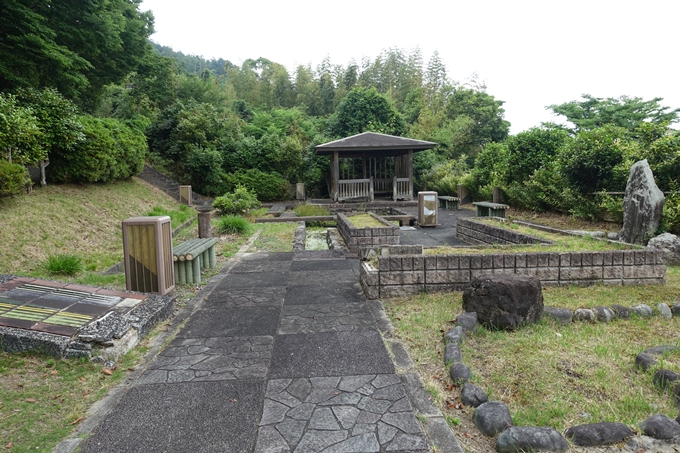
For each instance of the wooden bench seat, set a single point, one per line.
(489, 209)
(449, 203)
(191, 256)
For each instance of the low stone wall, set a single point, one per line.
(357, 238)
(484, 234)
(412, 274)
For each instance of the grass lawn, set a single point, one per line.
(275, 237)
(549, 374)
(365, 220)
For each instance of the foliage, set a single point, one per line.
(63, 264)
(490, 169)
(13, 178)
(612, 205)
(177, 216)
(310, 210)
(237, 202)
(533, 149)
(366, 110)
(204, 167)
(627, 112)
(445, 177)
(266, 186)
(109, 152)
(20, 135)
(670, 221)
(233, 224)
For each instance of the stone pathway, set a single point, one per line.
(283, 356)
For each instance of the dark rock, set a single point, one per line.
(668, 243)
(665, 378)
(455, 335)
(642, 205)
(504, 301)
(76, 353)
(561, 315)
(460, 373)
(492, 418)
(604, 314)
(530, 438)
(468, 321)
(584, 315)
(658, 350)
(643, 311)
(452, 354)
(675, 309)
(660, 427)
(645, 361)
(595, 434)
(471, 395)
(621, 311)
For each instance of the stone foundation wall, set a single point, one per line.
(412, 274)
(484, 234)
(357, 238)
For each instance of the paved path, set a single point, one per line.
(283, 355)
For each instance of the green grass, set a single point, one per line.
(365, 220)
(233, 224)
(275, 237)
(310, 210)
(177, 216)
(63, 264)
(549, 374)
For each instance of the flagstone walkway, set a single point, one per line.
(283, 355)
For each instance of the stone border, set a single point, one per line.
(658, 430)
(481, 233)
(356, 238)
(403, 275)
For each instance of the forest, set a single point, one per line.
(81, 85)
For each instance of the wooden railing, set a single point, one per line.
(401, 188)
(355, 188)
(382, 185)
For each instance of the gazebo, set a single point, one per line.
(373, 164)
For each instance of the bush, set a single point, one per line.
(177, 217)
(13, 178)
(266, 186)
(233, 224)
(444, 178)
(671, 210)
(237, 202)
(63, 264)
(109, 152)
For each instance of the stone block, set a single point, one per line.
(453, 261)
(607, 258)
(617, 257)
(639, 257)
(508, 261)
(547, 273)
(370, 276)
(644, 272)
(371, 292)
(430, 262)
(554, 260)
(575, 258)
(487, 261)
(597, 258)
(565, 260)
(542, 259)
(580, 273)
(464, 261)
(364, 241)
(474, 273)
(384, 263)
(402, 278)
(628, 257)
(401, 290)
(442, 262)
(418, 263)
(532, 260)
(520, 260)
(395, 263)
(407, 263)
(475, 261)
(498, 261)
(609, 272)
(586, 259)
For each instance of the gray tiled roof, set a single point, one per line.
(372, 141)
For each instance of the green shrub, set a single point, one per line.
(233, 224)
(177, 217)
(13, 178)
(266, 186)
(237, 202)
(671, 210)
(612, 205)
(63, 264)
(445, 177)
(309, 210)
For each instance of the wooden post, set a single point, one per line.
(370, 189)
(335, 175)
(363, 163)
(204, 228)
(409, 169)
(496, 195)
(394, 188)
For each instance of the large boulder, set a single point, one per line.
(668, 243)
(642, 205)
(504, 301)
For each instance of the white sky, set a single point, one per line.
(530, 53)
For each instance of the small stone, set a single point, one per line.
(645, 361)
(584, 315)
(455, 335)
(660, 427)
(595, 434)
(560, 315)
(452, 354)
(659, 350)
(665, 378)
(98, 359)
(530, 438)
(460, 373)
(664, 310)
(468, 321)
(604, 314)
(642, 310)
(621, 311)
(492, 418)
(471, 395)
(675, 309)
(613, 236)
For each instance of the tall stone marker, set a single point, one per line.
(642, 205)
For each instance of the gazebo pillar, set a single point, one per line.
(335, 175)
(409, 166)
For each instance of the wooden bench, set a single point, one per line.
(191, 256)
(402, 219)
(488, 209)
(449, 203)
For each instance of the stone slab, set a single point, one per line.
(320, 265)
(246, 280)
(260, 266)
(271, 296)
(197, 417)
(334, 293)
(237, 322)
(322, 278)
(269, 256)
(330, 354)
(325, 318)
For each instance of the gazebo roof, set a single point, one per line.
(372, 141)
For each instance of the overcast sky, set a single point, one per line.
(530, 53)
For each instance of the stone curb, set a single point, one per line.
(99, 409)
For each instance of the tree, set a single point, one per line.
(20, 135)
(533, 149)
(626, 112)
(366, 110)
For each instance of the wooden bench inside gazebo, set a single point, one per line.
(370, 164)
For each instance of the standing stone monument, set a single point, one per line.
(642, 205)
